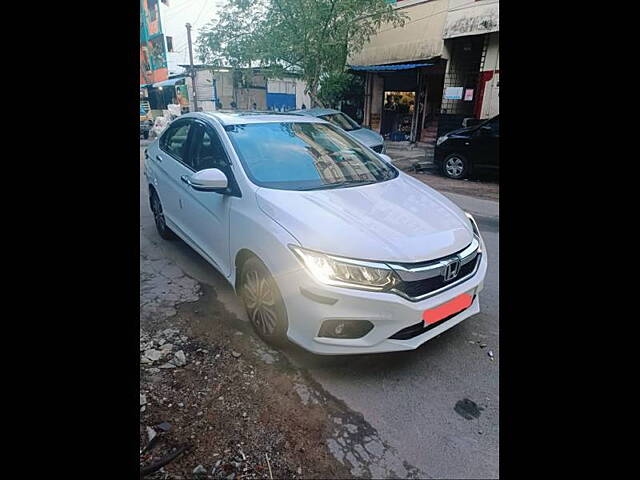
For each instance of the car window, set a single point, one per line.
(305, 156)
(341, 120)
(208, 152)
(174, 140)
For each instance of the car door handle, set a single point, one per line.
(185, 179)
(159, 158)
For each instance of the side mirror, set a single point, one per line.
(207, 180)
(384, 157)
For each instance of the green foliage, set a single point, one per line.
(336, 86)
(310, 37)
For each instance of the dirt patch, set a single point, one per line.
(234, 403)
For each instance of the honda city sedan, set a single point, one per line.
(325, 241)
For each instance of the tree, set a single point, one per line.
(336, 86)
(311, 37)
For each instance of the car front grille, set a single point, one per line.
(419, 281)
(422, 287)
(377, 148)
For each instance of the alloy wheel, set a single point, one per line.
(158, 216)
(260, 302)
(454, 167)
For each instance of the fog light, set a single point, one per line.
(345, 328)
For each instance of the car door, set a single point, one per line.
(207, 213)
(169, 160)
(485, 144)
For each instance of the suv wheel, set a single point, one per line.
(263, 301)
(455, 166)
(158, 217)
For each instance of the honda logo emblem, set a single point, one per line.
(451, 269)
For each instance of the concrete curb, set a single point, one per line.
(475, 206)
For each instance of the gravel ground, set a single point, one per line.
(209, 386)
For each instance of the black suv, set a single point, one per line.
(461, 151)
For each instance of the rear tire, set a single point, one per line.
(456, 166)
(263, 301)
(158, 216)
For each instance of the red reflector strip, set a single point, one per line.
(442, 311)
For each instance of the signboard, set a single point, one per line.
(453, 93)
(468, 94)
(182, 95)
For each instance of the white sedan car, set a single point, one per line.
(326, 242)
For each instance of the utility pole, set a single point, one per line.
(193, 72)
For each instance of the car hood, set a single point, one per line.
(400, 220)
(462, 132)
(366, 136)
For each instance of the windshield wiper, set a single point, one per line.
(338, 185)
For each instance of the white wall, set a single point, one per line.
(491, 98)
(471, 18)
(419, 39)
(492, 60)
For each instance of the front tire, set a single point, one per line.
(456, 166)
(263, 301)
(158, 217)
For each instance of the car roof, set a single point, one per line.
(235, 117)
(316, 112)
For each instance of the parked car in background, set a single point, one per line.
(327, 243)
(370, 138)
(462, 151)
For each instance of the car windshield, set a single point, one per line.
(342, 121)
(305, 156)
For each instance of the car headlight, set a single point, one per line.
(474, 225)
(443, 138)
(345, 272)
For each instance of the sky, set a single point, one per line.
(179, 12)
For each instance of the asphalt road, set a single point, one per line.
(436, 406)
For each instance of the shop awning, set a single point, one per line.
(384, 68)
(168, 83)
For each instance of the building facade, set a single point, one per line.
(247, 89)
(471, 45)
(153, 56)
(441, 65)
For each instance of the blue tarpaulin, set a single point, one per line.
(383, 68)
(168, 83)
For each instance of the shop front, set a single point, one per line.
(401, 100)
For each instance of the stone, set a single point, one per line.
(164, 426)
(179, 358)
(143, 399)
(199, 470)
(168, 365)
(235, 354)
(153, 355)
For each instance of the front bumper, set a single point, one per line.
(388, 312)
